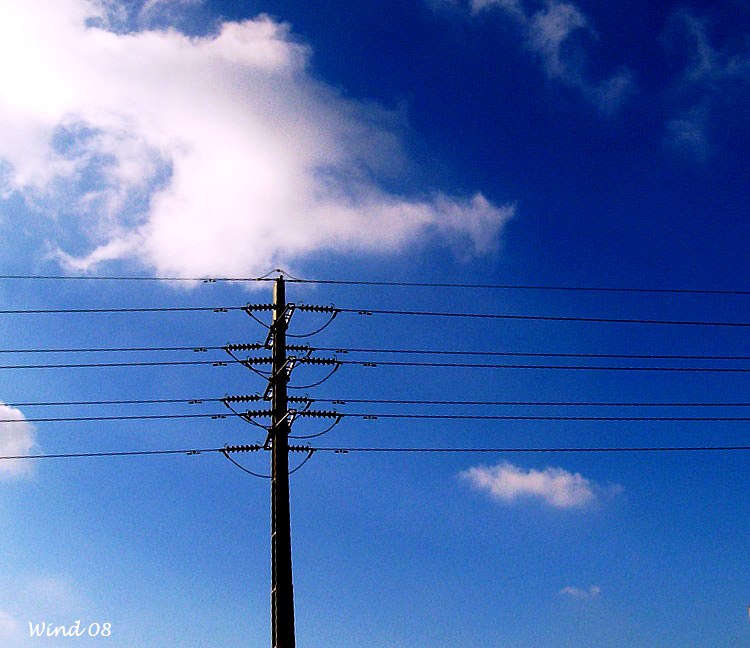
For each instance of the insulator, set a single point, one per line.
(258, 307)
(242, 448)
(296, 448)
(311, 308)
(319, 361)
(241, 399)
(253, 361)
(320, 414)
(254, 413)
(254, 346)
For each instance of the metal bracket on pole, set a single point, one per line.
(286, 317)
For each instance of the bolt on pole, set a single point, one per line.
(282, 591)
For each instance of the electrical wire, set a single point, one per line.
(125, 453)
(316, 331)
(545, 417)
(541, 318)
(145, 363)
(317, 434)
(197, 348)
(247, 470)
(320, 382)
(437, 352)
(531, 354)
(635, 449)
(469, 365)
(130, 278)
(392, 401)
(399, 450)
(134, 401)
(135, 417)
(141, 309)
(405, 284)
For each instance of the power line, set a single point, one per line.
(544, 417)
(403, 284)
(196, 348)
(390, 415)
(134, 401)
(145, 363)
(390, 401)
(540, 318)
(134, 417)
(469, 365)
(531, 354)
(416, 450)
(8, 277)
(139, 309)
(437, 352)
(340, 450)
(125, 453)
(538, 287)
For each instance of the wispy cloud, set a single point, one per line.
(714, 73)
(15, 439)
(556, 34)
(581, 594)
(219, 154)
(10, 628)
(554, 487)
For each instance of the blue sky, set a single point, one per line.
(493, 141)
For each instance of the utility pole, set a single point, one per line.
(277, 441)
(282, 591)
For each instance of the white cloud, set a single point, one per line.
(555, 487)
(217, 155)
(15, 439)
(554, 34)
(713, 74)
(9, 626)
(581, 594)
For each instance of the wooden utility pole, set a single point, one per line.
(282, 591)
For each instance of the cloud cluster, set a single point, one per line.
(553, 33)
(218, 154)
(581, 594)
(15, 439)
(712, 73)
(554, 487)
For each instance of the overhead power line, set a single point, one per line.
(414, 450)
(134, 417)
(397, 284)
(137, 309)
(197, 348)
(388, 401)
(530, 354)
(374, 350)
(511, 450)
(475, 403)
(386, 363)
(388, 415)
(483, 365)
(540, 318)
(125, 453)
(144, 363)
